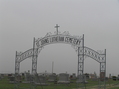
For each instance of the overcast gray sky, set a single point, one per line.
(21, 20)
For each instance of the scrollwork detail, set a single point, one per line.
(19, 53)
(66, 33)
(48, 34)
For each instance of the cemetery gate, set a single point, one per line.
(78, 44)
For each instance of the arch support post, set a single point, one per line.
(80, 74)
(17, 67)
(17, 64)
(102, 80)
(34, 65)
(34, 59)
(80, 61)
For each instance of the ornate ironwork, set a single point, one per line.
(58, 39)
(48, 34)
(34, 65)
(80, 62)
(75, 47)
(34, 58)
(22, 56)
(93, 54)
(66, 33)
(26, 54)
(101, 58)
(17, 64)
(75, 41)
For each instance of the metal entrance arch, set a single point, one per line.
(65, 37)
(39, 43)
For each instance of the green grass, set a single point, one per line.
(4, 84)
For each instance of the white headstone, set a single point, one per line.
(27, 77)
(63, 78)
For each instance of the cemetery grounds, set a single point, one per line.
(110, 84)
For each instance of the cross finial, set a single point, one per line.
(57, 28)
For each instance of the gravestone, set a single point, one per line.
(118, 77)
(18, 78)
(114, 78)
(23, 76)
(11, 79)
(9, 75)
(106, 78)
(52, 78)
(87, 75)
(110, 76)
(0, 77)
(81, 79)
(40, 80)
(63, 78)
(27, 78)
(102, 76)
(95, 77)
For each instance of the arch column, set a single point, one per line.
(102, 81)
(80, 61)
(34, 58)
(81, 57)
(17, 64)
(80, 74)
(34, 64)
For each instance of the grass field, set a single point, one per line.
(4, 84)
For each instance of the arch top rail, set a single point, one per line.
(58, 38)
(93, 54)
(29, 53)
